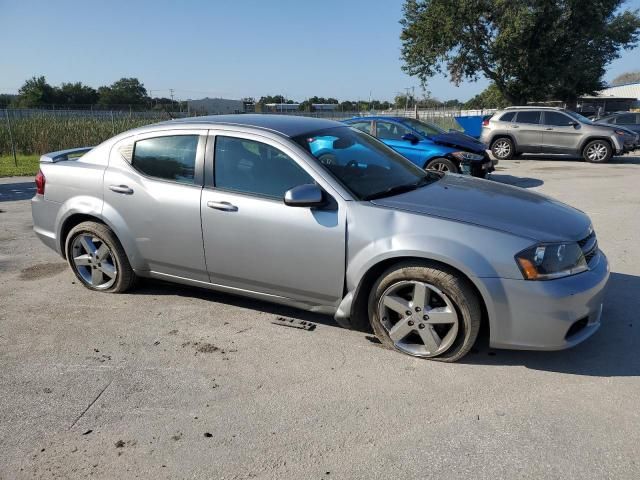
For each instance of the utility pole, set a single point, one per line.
(171, 92)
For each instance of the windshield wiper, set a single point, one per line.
(396, 189)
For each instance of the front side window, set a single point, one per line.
(363, 165)
(426, 129)
(528, 117)
(390, 131)
(557, 119)
(255, 168)
(167, 158)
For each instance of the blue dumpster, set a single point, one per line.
(472, 125)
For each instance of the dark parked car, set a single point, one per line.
(427, 145)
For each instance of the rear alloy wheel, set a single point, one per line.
(424, 311)
(597, 151)
(97, 258)
(502, 148)
(442, 165)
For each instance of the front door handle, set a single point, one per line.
(549, 128)
(224, 206)
(121, 189)
(515, 126)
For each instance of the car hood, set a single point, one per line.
(459, 140)
(494, 205)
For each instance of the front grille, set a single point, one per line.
(589, 246)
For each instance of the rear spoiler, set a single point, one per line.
(63, 155)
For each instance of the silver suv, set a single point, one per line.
(550, 130)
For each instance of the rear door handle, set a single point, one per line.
(224, 206)
(549, 128)
(515, 126)
(121, 189)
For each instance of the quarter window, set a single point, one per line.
(168, 158)
(507, 117)
(557, 119)
(528, 117)
(255, 168)
(390, 131)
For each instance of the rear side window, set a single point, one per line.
(364, 126)
(528, 117)
(626, 119)
(390, 131)
(507, 117)
(168, 158)
(557, 119)
(255, 168)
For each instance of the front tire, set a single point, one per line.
(425, 311)
(98, 259)
(441, 165)
(597, 151)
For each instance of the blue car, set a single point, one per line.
(427, 145)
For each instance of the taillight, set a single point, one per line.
(40, 182)
(485, 122)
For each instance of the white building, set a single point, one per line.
(216, 106)
(628, 90)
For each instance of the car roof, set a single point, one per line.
(287, 125)
(376, 117)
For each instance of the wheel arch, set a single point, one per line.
(590, 139)
(497, 136)
(69, 223)
(359, 318)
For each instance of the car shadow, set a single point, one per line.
(152, 287)
(12, 192)
(523, 182)
(613, 351)
(628, 159)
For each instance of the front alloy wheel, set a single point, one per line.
(419, 318)
(425, 310)
(597, 151)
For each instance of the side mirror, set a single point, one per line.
(410, 137)
(574, 124)
(308, 195)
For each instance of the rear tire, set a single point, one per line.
(503, 149)
(597, 151)
(98, 259)
(425, 311)
(442, 165)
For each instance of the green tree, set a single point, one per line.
(126, 91)
(490, 97)
(627, 77)
(36, 92)
(76, 94)
(530, 49)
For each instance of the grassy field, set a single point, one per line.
(27, 165)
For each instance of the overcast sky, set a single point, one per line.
(339, 48)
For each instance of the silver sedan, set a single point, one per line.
(317, 215)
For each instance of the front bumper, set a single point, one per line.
(547, 315)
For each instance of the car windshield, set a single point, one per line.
(426, 129)
(578, 117)
(365, 166)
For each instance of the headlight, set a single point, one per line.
(545, 262)
(468, 156)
